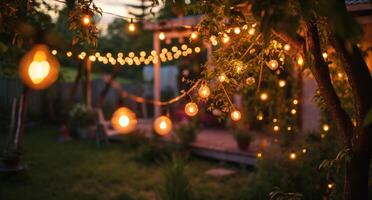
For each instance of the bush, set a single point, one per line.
(176, 185)
(154, 152)
(81, 115)
(186, 133)
(301, 175)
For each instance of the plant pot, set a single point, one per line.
(244, 144)
(12, 162)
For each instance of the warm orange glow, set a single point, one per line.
(282, 83)
(259, 155)
(293, 111)
(273, 64)
(204, 91)
(260, 117)
(264, 96)
(287, 47)
(194, 35)
(292, 156)
(251, 31)
(162, 125)
(237, 30)
(161, 36)
(131, 27)
(222, 78)
(191, 109)
(235, 115)
(295, 101)
(38, 68)
(225, 38)
(326, 127)
(300, 61)
(86, 20)
(276, 128)
(124, 120)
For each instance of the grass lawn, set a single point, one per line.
(81, 170)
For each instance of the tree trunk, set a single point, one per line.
(107, 87)
(75, 86)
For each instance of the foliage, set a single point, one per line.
(276, 169)
(153, 152)
(88, 32)
(81, 115)
(186, 133)
(176, 185)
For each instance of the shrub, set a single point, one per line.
(153, 152)
(186, 133)
(176, 185)
(81, 115)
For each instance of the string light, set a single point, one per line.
(276, 128)
(287, 47)
(292, 156)
(194, 35)
(295, 101)
(282, 83)
(204, 91)
(250, 80)
(325, 55)
(161, 35)
(304, 150)
(86, 20)
(69, 54)
(326, 127)
(251, 31)
(124, 120)
(293, 111)
(222, 77)
(131, 26)
(260, 116)
(235, 115)
(300, 61)
(38, 68)
(54, 52)
(273, 65)
(259, 155)
(162, 125)
(289, 128)
(264, 96)
(191, 109)
(225, 38)
(237, 30)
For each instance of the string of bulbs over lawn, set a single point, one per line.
(39, 69)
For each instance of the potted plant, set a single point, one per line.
(186, 133)
(82, 120)
(243, 139)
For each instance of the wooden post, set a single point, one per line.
(88, 84)
(157, 87)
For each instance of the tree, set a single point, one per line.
(310, 27)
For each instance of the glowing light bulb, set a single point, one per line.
(289, 128)
(264, 96)
(225, 38)
(325, 55)
(260, 117)
(38, 68)
(304, 150)
(86, 20)
(295, 101)
(259, 155)
(204, 91)
(222, 78)
(54, 52)
(276, 128)
(161, 35)
(250, 80)
(293, 111)
(162, 125)
(124, 120)
(273, 64)
(69, 54)
(287, 47)
(191, 109)
(197, 49)
(282, 83)
(300, 61)
(237, 30)
(326, 127)
(131, 27)
(235, 115)
(292, 156)
(194, 35)
(251, 31)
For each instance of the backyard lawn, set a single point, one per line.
(80, 170)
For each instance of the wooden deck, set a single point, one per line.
(217, 144)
